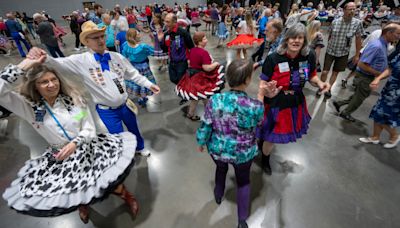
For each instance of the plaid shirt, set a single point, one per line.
(341, 35)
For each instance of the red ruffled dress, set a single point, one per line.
(286, 116)
(244, 39)
(197, 84)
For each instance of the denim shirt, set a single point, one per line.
(375, 55)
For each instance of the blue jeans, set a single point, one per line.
(31, 30)
(54, 51)
(176, 71)
(113, 119)
(17, 38)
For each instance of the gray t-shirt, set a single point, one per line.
(46, 33)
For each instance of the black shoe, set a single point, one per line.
(344, 83)
(328, 94)
(318, 93)
(253, 57)
(218, 200)
(266, 167)
(242, 224)
(337, 106)
(183, 101)
(347, 117)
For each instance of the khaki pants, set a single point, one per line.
(360, 94)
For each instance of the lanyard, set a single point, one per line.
(58, 123)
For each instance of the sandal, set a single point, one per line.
(130, 200)
(192, 117)
(84, 213)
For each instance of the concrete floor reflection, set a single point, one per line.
(325, 180)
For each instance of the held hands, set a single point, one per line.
(36, 53)
(27, 63)
(324, 86)
(66, 151)
(269, 88)
(155, 89)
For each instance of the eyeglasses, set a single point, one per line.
(46, 83)
(97, 37)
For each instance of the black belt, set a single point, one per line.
(285, 99)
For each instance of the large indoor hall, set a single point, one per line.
(126, 114)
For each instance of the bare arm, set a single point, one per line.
(358, 45)
(367, 68)
(375, 83)
(210, 67)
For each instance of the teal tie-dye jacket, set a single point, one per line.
(229, 126)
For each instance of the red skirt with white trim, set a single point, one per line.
(201, 85)
(244, 41)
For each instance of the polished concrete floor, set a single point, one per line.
(325, 180)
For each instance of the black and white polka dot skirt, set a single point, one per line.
(46, 187)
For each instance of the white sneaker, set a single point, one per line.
(392, 145)
(77, 49)
(368, 140)
(145, 152)
(8, 53)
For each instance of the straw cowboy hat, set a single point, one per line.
(88, 28)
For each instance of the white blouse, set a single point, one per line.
(101, 85)
(244, 29)
(76, 121)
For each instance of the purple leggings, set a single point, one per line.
(242, 173)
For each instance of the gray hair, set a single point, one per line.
(267, 10)
(239, 70)
(29, 91)
(37, 16)
(294, 31)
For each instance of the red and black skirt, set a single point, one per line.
(198, 85)
(286, 118)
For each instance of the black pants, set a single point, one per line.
(55, 51)
(176, 71)
(260, 52)
(77, 40)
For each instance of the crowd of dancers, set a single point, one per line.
(82, 165)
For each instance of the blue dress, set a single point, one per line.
(138, 56)
(387, 109)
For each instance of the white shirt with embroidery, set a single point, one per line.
(101, 85)
(76, 121)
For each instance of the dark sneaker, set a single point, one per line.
(328, 94)
(337, 106)
(347, 117)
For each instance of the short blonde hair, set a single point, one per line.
(132, 36)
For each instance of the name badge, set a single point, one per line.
(284, 67)
(119, 86)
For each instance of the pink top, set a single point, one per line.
(3, 26)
